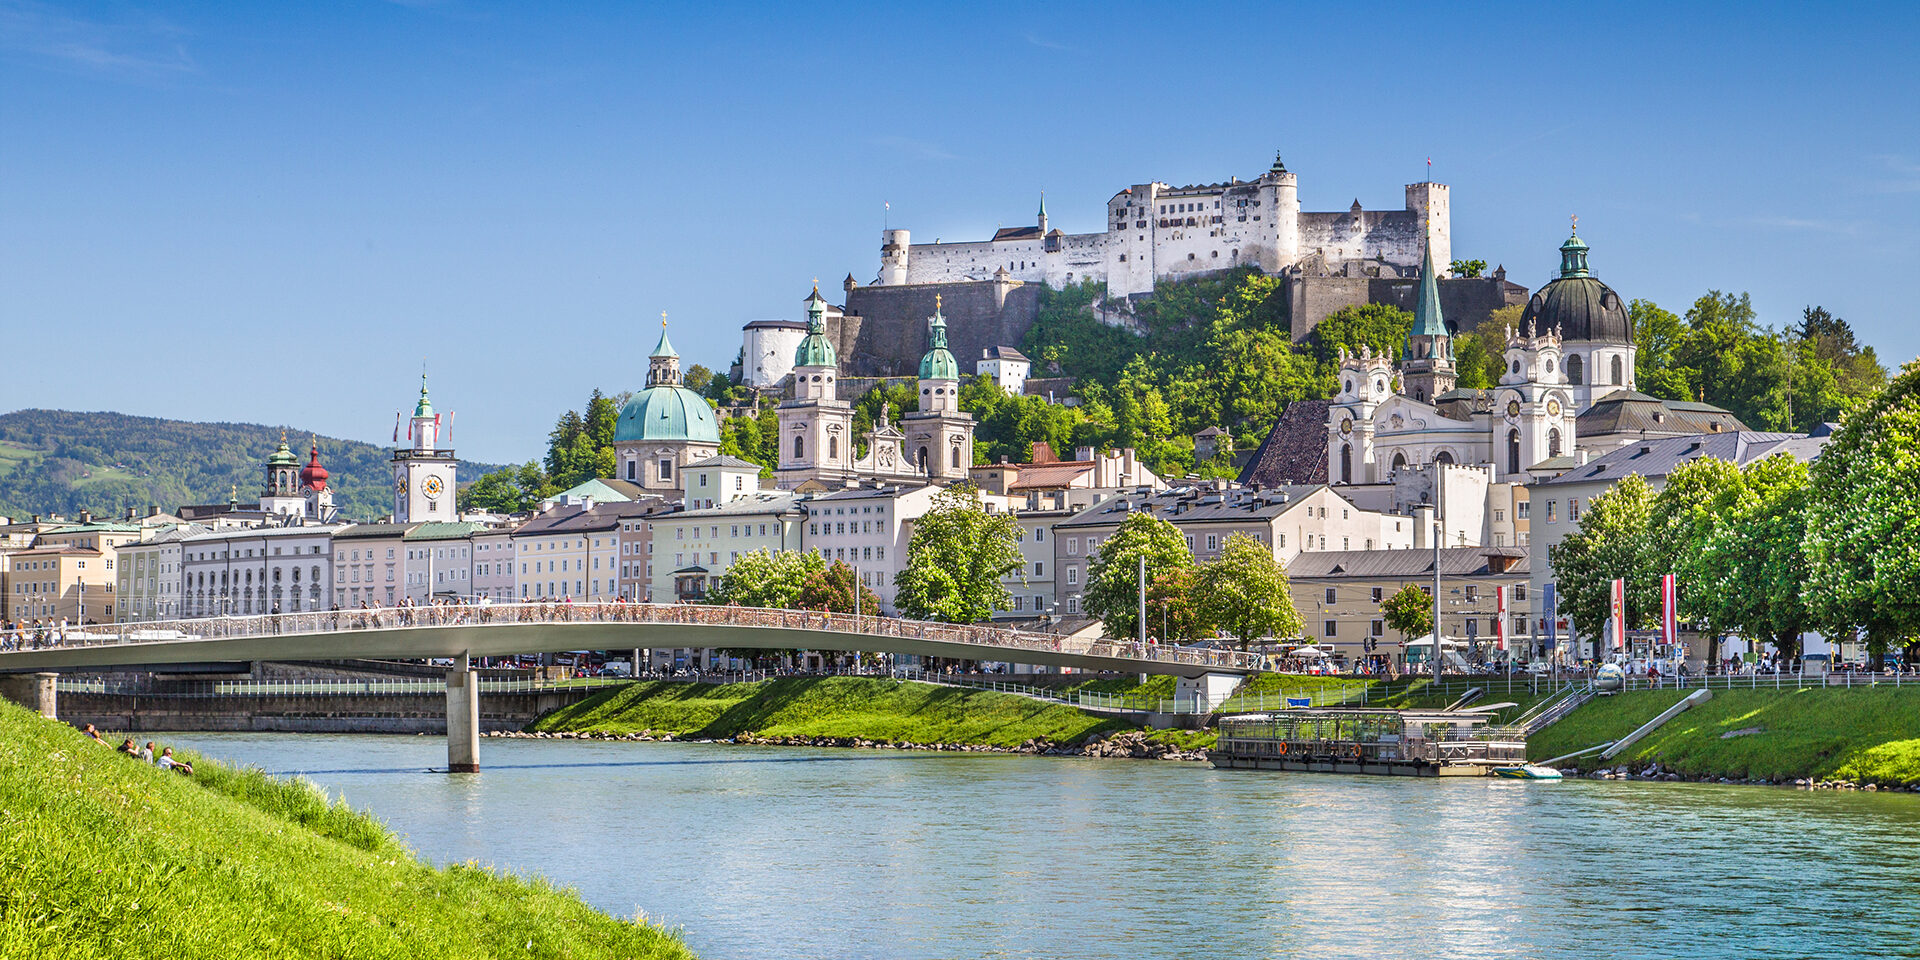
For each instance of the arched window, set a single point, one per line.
(1346, 463)
(1399, 461)
(1573, 368)
(923, 459)
(1619, 371)
(799, 448)
(1553, 442)
(1443, 457)
(1513, 451)
(955, 463)
(833, 448)
(1516, 366)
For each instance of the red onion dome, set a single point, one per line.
(313, 474)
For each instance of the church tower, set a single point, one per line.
(816, 426)
(1534, 403)
(313, 485)
(1428, 364)
(282, 492)
(1366, 381)
(939, 436)
(423, 484)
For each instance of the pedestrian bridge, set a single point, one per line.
(464, 632)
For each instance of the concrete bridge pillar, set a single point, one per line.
(35, 691)
(463, 717)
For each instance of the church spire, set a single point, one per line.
(1573, 254)
(663, 365)
(1427, 318)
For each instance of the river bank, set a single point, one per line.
(1121, 745)
(1861, 737)
(106, 855)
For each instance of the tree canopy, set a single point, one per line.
(1243, 592)
(957, 560)
(1113, 579)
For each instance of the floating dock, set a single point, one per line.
(1398, 743)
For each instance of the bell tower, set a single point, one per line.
(423, 474)
(816, 426)
(1428, 364)
(939, 436)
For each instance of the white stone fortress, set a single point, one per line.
(1156, 232)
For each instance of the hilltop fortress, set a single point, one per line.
(1154, 233)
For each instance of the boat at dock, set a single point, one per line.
(1404, 743)
(1527, 771)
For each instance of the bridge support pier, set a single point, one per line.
(35, 691)
(1207, 690)
(463, 718)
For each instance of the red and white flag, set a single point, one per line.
(396, 426)
(1669, 610)
(1618, 609)
(1500, 606)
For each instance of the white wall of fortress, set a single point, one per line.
(1155, 232)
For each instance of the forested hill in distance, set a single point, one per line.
(60, 461)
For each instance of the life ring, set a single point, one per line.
(1283, 748)
(1356, 751)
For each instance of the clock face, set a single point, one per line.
(400, 485)
(1346, 426)
(1513, 408)
(431, 487)
(1553, 408)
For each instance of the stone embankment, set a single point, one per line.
(1131, 745)
(1653, 772)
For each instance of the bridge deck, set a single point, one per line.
(516, 628)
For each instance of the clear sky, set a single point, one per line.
(273, 212)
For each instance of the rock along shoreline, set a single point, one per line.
(1128, 745)
(1654, 772)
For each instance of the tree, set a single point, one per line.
(1244, 592)
(1173, 612)
(506, 490)
(834, 590)
(1614, 541)
(1113, 579)
(1685, 516)
(698, 379)
(1467, 268)
(764, 579)
(1479, 357)
(1410, 611)
(1863, 529)
(1376, 325)
(956, 560)
(1753, 564)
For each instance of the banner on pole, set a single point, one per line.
(1618, 610)
(1500, 624)
(1551, 615)
(1669, 610)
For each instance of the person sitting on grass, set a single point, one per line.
(167, 762)
(94, 735)
(146, 753)
(127, 747)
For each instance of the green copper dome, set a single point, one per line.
(283, 457)
(425, 407)
(667, 413)
(815, 349)
(938, 364)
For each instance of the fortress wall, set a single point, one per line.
(890, 335)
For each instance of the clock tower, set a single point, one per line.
(423, 485)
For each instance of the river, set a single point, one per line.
(764, 852)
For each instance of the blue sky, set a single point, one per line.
(274, 212)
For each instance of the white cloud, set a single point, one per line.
(145, 47)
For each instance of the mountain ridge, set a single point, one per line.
(64, 461)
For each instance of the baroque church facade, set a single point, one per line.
(816, 444)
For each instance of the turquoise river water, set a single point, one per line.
(760, 852)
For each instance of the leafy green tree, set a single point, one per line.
(1376, 325)
(1754, 563)
(957, 559)
(1113, 579)
(698, 378)
(1173, 611)
(834, 590)
(1863, 528)
(1244, 592)
(506, 490)
(1614, 541)
(1410, 611)
(1686, 515)
(1467, 268)
(754, 438)
(764, 579)
(1479, 357)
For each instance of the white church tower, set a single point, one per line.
(423, 484)
(939, 437)
(816, 426)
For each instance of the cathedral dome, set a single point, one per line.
(667, 413)
(816, 350)
(283, 457)
(1577, 304)
(938, 363)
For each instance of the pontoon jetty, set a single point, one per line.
(1403, 743)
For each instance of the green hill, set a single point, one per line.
(60, 461)
(102, 855)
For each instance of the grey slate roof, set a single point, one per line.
(1454, 562)
(1626, 411)
(1186, 505)
(723, 460)
(1657, 458)
(1294, 451)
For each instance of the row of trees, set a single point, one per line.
(1241, 594)
(1773, 550)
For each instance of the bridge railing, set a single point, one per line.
(322, 688)
(996, 643)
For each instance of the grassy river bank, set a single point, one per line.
(102, 855)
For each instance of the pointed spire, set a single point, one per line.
(1043, 206)
(424, 408)
(1427, 319)
(665, 347)
(938, 363)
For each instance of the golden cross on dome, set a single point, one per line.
(936, 303)
(663, 319)
(1576, 223)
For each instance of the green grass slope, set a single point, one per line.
(104, 856)
(873, 709)
(1866, 735)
